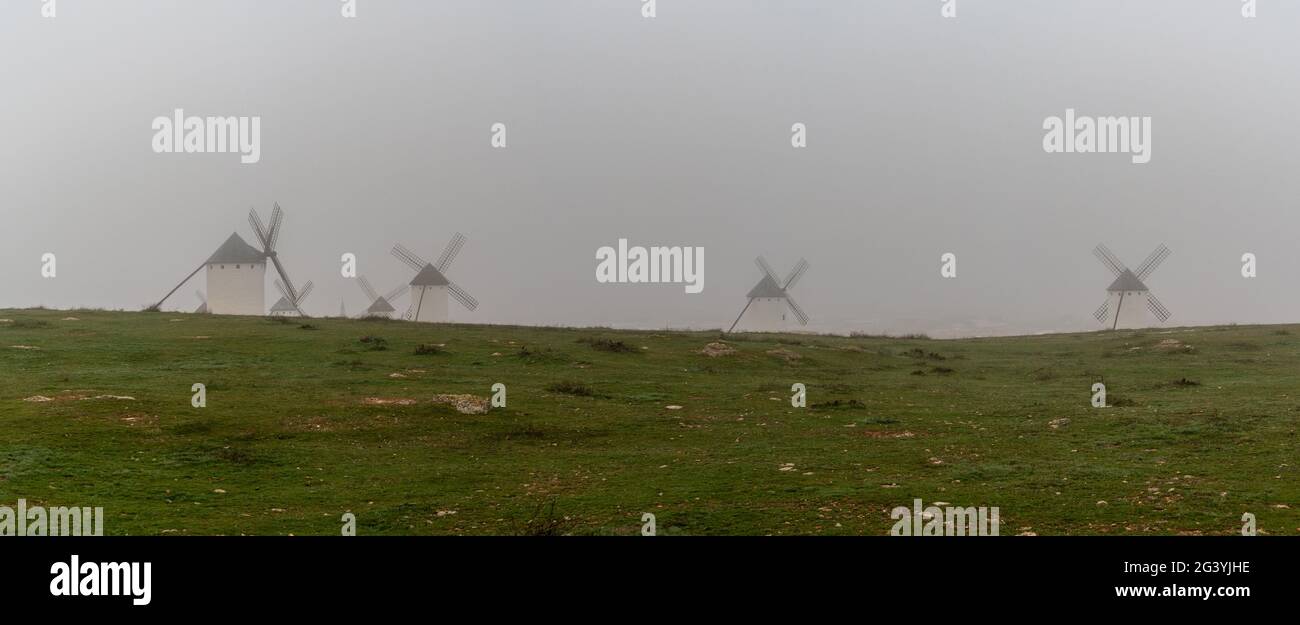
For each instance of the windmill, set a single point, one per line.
(236, 272)
(286, 307)
(1130, 288)
(380, 306)
(203, 308)
(769, 299)
(430, 286)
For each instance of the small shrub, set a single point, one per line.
(839, 404)
(374, 343)
(576, 389)
(427, 349)
(609, 345)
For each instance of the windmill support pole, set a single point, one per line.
(742, 314)
(1118, 307)
(176, 288)
(419, 304)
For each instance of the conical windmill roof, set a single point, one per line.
(1127, 281)
(429, 276)
(381, 305)
(283, 305)
(235, 250)
(767, 287)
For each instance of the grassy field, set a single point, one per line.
(303, 424)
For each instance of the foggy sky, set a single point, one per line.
(925, 137)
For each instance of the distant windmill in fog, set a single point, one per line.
(1129, 303)
(290, 305)
(768, 300)
(203, 307)
(380, 305)
(430, 286)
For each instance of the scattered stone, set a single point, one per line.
(70, 319)
(673, 407)
(23, 347)
(715, 349)
(38, 398)
(1057, 423)
(465, 404)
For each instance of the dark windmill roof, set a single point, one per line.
(429, 276)
(381, 305)
(283, 305)
(235, 250)
(767, 287)
(1126, 281)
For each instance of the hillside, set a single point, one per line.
(305, 420)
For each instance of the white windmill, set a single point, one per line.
(1129, 303)
(380, 305)
(236, 272)
(286, 307)
(430, 286)
(768, 300)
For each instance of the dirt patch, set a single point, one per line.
(887, 434)
(77, 396)
(716, 349)
(785, 354)
(465, 404)
(388, 401)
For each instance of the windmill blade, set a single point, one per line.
(367, 289)
(306, 289)
(449, 254)
(410, 311)
(259, 228)
(408, 257)
(1149, 265)
(798, 312)
(461, 296)
(273, 234)
(279, 286)
(202, 298)
(397, 292)
(800, 268)
(1103, 312)
(766, 268)
(1108, 259)
(284, 275)
(1157, 308)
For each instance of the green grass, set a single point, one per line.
(1200, 433)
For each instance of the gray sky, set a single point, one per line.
(924, 137)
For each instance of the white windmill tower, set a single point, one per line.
(380, 305)
(1129, 303)
(430, 286)
(203, 307)
(768, 300)
(236, 272)
(287, 307)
